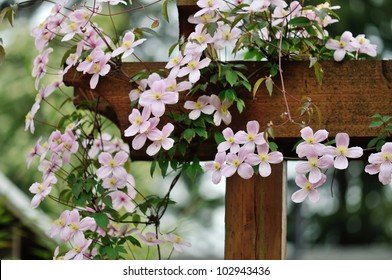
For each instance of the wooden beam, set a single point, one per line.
(255, 222)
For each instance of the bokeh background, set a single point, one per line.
(356, 223)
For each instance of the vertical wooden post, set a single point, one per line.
(256, 216)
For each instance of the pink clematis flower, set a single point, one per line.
(314, 166)
(342, 46)
(252, 137)
(121, 199)
(77, 226)
(341, 152)
(139, 122)
(140, 139)
(80, 249)
(363, 45)
(161, 140)
(236, 163)
(112, 166)
(381, 163)
(127, 46)
(308, 189)
(264, 159)
(178, 242)
(222, 110)
(200, 106)
(193, 69)
(216, 167)
(41, 190)
(157, 97)
(232, 142)
(312, 141)
(150, 239)
(60, 226)
(208, 6)
(29, 122)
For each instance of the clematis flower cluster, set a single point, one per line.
(317, 159)
(241, 152)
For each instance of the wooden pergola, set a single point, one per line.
(255, 217)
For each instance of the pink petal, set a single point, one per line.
(299, 196)
(264, 169)
(302, 167)
(314, 195)
(339, 54)
(320, 135)
(342, 139)
(216, 177)
(275, 157)
(306, 132)
(341, 162)
(314, 175)
(354, 152)
(228, 170)
(121, 157)
(372, 169)
(245, 171)
(253, 127)
(301, 180)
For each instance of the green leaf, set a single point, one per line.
(376, 124)
(257, 85)
(230, 95)
(219, 138)
(231, 77)
(201, 132)
(318, 71)
(240, 105)
(133, 240)
(313, 61)
(101, 219)
(188, 134)
(300, 21)
(270, 85)
(165, 13)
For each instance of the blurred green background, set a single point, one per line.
(356, 223)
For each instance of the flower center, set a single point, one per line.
(40, 188)
(308, 186)
(236, 162)
(342, 150)
(386, 156)
(313, 162)
(138, 120)
(192, 64)
(96, 67)
(311, 140)
(157, 95)
(198, 105)
(217, 166)
(74, 226)
(112, 163)
(230, 140)
(263, 157)
(77, 249)
(342, 44)
(126, 44)
(250, 137)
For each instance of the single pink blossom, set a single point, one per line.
(161, 140)
(193, 69)
(178, 242)
(41, 190)
(236, 163)
(139, 122)
(128, 45)
(308, 189)
(216, 167)
(60, 226)
(200, 106)
(312, 141)
(140, 139)
(252, 137)
(231, 141)
(80, 249)
(76, 225)
(222, 110)
(157, 97)
(314, 165)
(263, 158)
(341, 152)
(121, 199)
(381, 163)
(208, 6)
(150, 239)
(342, 46)
(112, 166)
